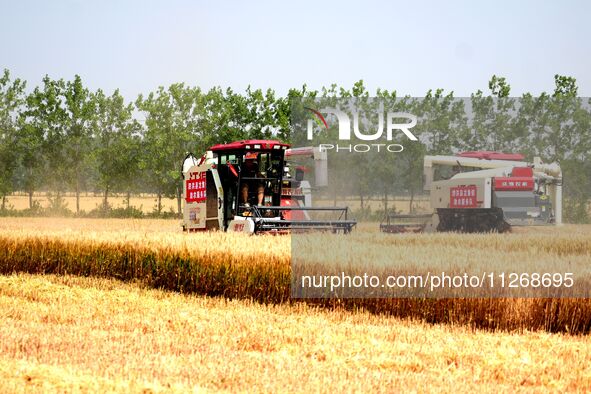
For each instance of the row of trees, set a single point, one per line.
(61, 136)
(553, 126)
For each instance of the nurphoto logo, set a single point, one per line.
(393, 124)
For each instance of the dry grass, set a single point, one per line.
(61, 334)
(146, 203)
(158, 254)
(395, 203)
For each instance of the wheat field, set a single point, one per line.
(72, 334)
(157, 254)
(145, 203)
(124, 305)
(148, 203)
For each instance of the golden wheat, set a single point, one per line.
(158, 254)
(71, 334)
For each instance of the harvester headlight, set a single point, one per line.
(257, 146)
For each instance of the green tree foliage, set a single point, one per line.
(577, 189)
(30, 147)
(171, 119)
(116, 147)
(565, 86)
(499, 86)
(62, 114)
(64, 137)
(11, 98)
(567, 139)
(79, 109)
(492, 125)
(45, 119)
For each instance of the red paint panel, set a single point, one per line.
(523, 172)
(196, 188)
(238, 145)
(463, 196)
(514, 183)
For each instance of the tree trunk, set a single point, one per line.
(128, 198)
(385, 202)
(105, 200)
(361, 200)
(3, 202)
(412, 197)
(30, 199)
(77, 197)
(159, 203)
(178, 199)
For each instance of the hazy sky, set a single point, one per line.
(409, 46)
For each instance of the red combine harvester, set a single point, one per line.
(485, 191)
(243, 187)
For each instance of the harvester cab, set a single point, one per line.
(297, 183)
(240, 186)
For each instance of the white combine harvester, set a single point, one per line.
(485, 191)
